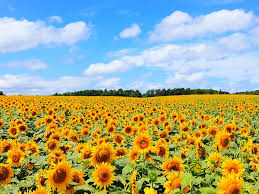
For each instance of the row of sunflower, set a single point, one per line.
(181, 144)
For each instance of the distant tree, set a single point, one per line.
(1, 93)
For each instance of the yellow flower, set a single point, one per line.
(230, 184)
(15, 157)
(103, 175)
(172, 164)
(143, 142)
(6, 173)
(60, 177)
(103, 153)
(150, 190)
(232, 166)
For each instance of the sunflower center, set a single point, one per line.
(254, 150)
(161, 151)
(104, 177)
(13, 131)
(128, 130)
(103, 156)
(233, 189)
(52, 145)
(59, 176)
(225, 142)
(120, 153)
(233, 169)
(16, 158)
(173, 166)
(22, 128)
(42, 181)
(76, 179)
(118, 139)
(4, 173)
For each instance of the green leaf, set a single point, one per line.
(140, 183)
(176, 191)
(126, 170)
(208, 190)
(186, 179)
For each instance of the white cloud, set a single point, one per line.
(237, 41)
(54, 19)
(32, 64)
(181, 78)
(17, 35)
(188, 64)
(35, 85)
(133, 31)
(102, 68)
(119, 53)
(180, 25)
(110, 83)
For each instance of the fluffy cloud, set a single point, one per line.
(32, 64)
(110, 83)
(30, 84)
(17, 35)
(102, 68)
(189, 64)
(237, 41)
(180, 25)
(133, 31)
(55, 19)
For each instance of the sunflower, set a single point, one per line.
(51, 145)
(232, 166)
(143, 142)
(120, 152)
(163, 134)
(110, 129)
(103, 175)
(174, 182)
(15, 157)
(103, 153)
(85, 131)
(230, 184)
(22, 128)
(60, 177)
(172, 164)
(214, 159)
(150, 190)
(128, 130)
(118, 139)
(161, 150)
(13, 131)
(6, 173)
(56, 136)
(133, 182)
(41, 178)
(156, 121)
(40, 190)
(1, 123)
(212, 131)
(77, 178)
(134, 155)
(33, 149)
(223, 140)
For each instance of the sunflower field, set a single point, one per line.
(204, 144)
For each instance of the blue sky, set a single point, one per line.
(59, 46)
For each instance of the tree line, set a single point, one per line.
(1, 93)
(137, 93)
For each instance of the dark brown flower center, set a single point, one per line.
(103, 156)
(104, 177)
(4, 173)
(59, 176)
